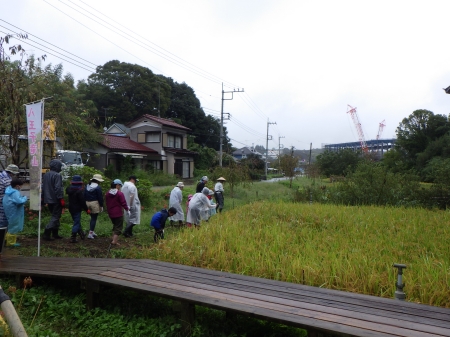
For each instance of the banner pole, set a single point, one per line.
(40, 181)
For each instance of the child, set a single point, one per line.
(94, 200)
(115, 202)
(13, 204)
(159, 222)
(77, 203)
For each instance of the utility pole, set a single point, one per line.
(106, 127)
(279, 150)
(159, 98)
(221, 118)
(267, 143)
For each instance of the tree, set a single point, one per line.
(23, 81)
(127, 91)
(288, 163)
(338, 162)
(417, 132)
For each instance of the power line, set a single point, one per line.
(26, 42)
(138, 42)
(47, 42)
(103, 37)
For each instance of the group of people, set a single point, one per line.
(200, 206)
(121, 201)
(119, 198)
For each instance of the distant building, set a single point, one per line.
(244, 152)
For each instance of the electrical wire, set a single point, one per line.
(106, 38)
(61, 58)
(138, 42)
(190, 64)
(28, 39)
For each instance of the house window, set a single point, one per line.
(153, 137)
(171, 141)
(174, 141)
(156, 164)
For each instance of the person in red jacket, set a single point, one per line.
(115, 203)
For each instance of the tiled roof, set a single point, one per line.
(124, 144)
(163, 121)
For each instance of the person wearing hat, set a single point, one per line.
(201, 184)
(176, 198)
(53, 192)
(218, 193)
(115, 203)
(130, 192)
(197, 204)
(94, 200)
(6, 176)
(76, 205)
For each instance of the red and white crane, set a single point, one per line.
(354, 115)
(380, 129)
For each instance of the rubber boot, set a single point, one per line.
(55, 234)
(73, 238)
(46, 235)
(81, 234)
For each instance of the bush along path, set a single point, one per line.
(54, 309)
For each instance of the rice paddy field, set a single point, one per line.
(337, 247)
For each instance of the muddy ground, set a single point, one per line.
(99, 247)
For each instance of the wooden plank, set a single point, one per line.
(248, 286)
(314, 291)
(273, 302)
(284, 318)
(318, 313)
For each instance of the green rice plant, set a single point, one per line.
(337, 247)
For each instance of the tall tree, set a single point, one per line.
(127, 91)
(24, 80)
(288, 163)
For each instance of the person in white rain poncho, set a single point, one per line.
(176, 198)
(197, 204)
(206, 213)
(131, 196)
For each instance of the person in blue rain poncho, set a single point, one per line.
(14, 206)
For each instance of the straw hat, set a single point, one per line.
(98, 177)
(221, 179)
(180, 184)
(11, 168)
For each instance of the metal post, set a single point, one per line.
(399, 294)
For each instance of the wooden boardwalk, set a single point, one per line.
(320, 311)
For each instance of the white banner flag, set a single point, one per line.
(34, 124)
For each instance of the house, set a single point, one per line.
(112, 149)
(150, 141)
(244, 152)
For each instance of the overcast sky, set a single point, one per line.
(299, 62)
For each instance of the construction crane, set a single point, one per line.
(380, 129)
(354, 115)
